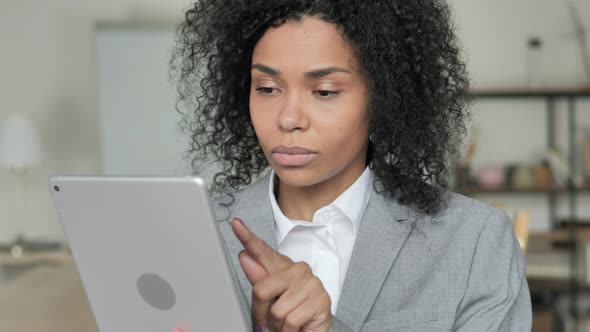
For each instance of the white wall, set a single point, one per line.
(494, 33)
(47, 68)
(138, 123)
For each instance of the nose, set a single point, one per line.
(292, 116)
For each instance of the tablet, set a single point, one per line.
(148, 252)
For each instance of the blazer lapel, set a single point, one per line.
(382, 233)
(253, 207)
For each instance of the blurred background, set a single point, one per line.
(84, 89)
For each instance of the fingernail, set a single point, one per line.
(239, 220)
(257, 328)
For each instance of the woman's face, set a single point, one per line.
(309, 103)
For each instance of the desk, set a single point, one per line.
(550, 279)
(46, 297)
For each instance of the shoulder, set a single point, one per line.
(471, 217)
(465, 208)
(463, 220)
(475, 212)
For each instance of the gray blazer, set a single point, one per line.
(460, 271)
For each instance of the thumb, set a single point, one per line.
(254, 271)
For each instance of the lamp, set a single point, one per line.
(20, 150)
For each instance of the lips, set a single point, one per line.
(291, 150)
(293, 156)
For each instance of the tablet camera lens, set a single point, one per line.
(56, 188)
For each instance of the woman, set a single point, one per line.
(333, 123)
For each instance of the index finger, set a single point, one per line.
(259, 250)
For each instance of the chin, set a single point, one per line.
(300, 176)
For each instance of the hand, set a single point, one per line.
(286, 296)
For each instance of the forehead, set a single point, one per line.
(308, 43)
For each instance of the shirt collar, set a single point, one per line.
(352, 202)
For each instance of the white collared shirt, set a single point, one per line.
(325, 243)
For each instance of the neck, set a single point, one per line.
(300, 203)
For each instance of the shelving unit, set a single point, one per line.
(550, 96)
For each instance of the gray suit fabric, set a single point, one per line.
(460, 271)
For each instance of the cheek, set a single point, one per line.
(345, 130)
(262, 124)
(350, 138)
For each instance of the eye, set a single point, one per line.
(326, 93)
(265, 90)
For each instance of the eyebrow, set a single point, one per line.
(314, 74)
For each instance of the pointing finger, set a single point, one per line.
(257, 249)
(253, 270)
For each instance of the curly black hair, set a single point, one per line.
(407, 52)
